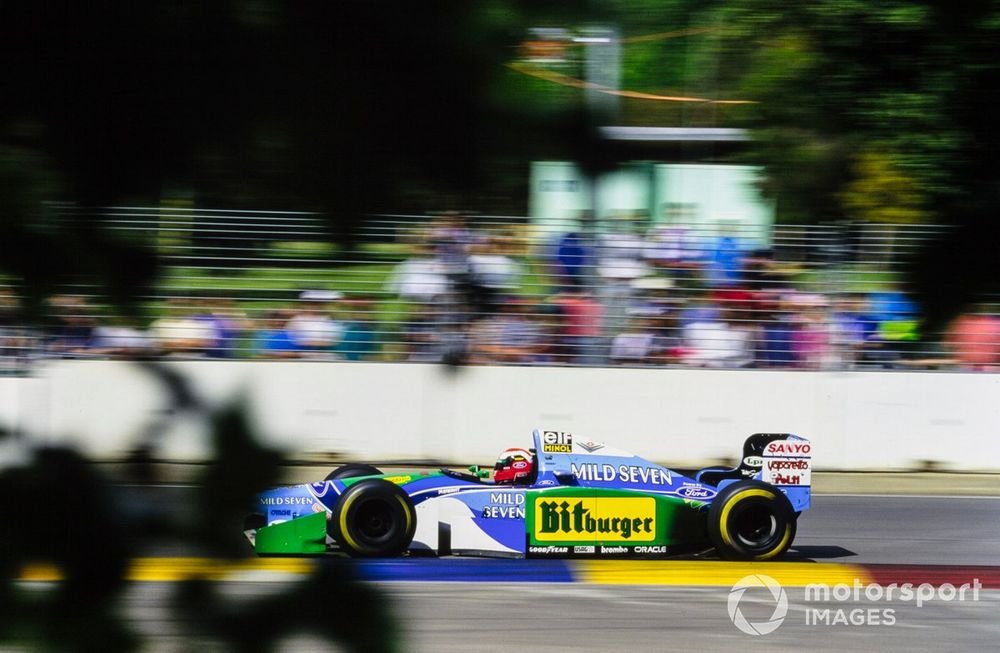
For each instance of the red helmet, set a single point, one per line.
(515, 465)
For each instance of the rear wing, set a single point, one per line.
(783, 460)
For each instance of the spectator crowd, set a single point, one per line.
(664, 297)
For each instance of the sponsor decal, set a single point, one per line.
(399, 480)
(788, 471)
(549, 550)
(503, 512)
(584, 549)
(447, 490)
(623, 473)
(614, 549)
(557, 442)
(787, 448)
(650, 549)
(625, 519)
(753, 461)
(286, 501)
(504, 505)
(590, 446)
(281, 513)
(507, 498)
(787, 463)
(546, 483)
(789, 479)
(693, 492)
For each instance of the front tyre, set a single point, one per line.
(751, 520)
(373, 519)
(352, 470)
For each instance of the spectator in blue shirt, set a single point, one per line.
(725, 263)
(572, 260)
(360, 340)
(775, 348)
(274, 340)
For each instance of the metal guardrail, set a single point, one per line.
(500, 290)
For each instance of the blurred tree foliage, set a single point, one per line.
(850, 96)
(353, 107)
(878, 110)
(333, 106)
(345, 108)
(861, 110)
(66, 514)
(880, 192)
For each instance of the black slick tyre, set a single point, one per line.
(751, 520)
(373, 519)
(352, 470)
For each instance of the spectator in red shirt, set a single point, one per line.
(975, 340)
(582, 316)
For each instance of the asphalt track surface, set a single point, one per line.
(916, 530)
(502, 605)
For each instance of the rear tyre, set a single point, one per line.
(352, 470)
(373, 519)
(751, 520)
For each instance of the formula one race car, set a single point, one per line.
(565, 497)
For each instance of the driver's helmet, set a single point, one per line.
(515, 465)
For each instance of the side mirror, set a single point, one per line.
(479, 473)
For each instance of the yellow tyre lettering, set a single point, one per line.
(732, 501)
(344, 530)
(406, 512)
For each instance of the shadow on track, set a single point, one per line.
(815, 553)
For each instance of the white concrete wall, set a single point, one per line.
(857, 420)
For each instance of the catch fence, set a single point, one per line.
(479, 289)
